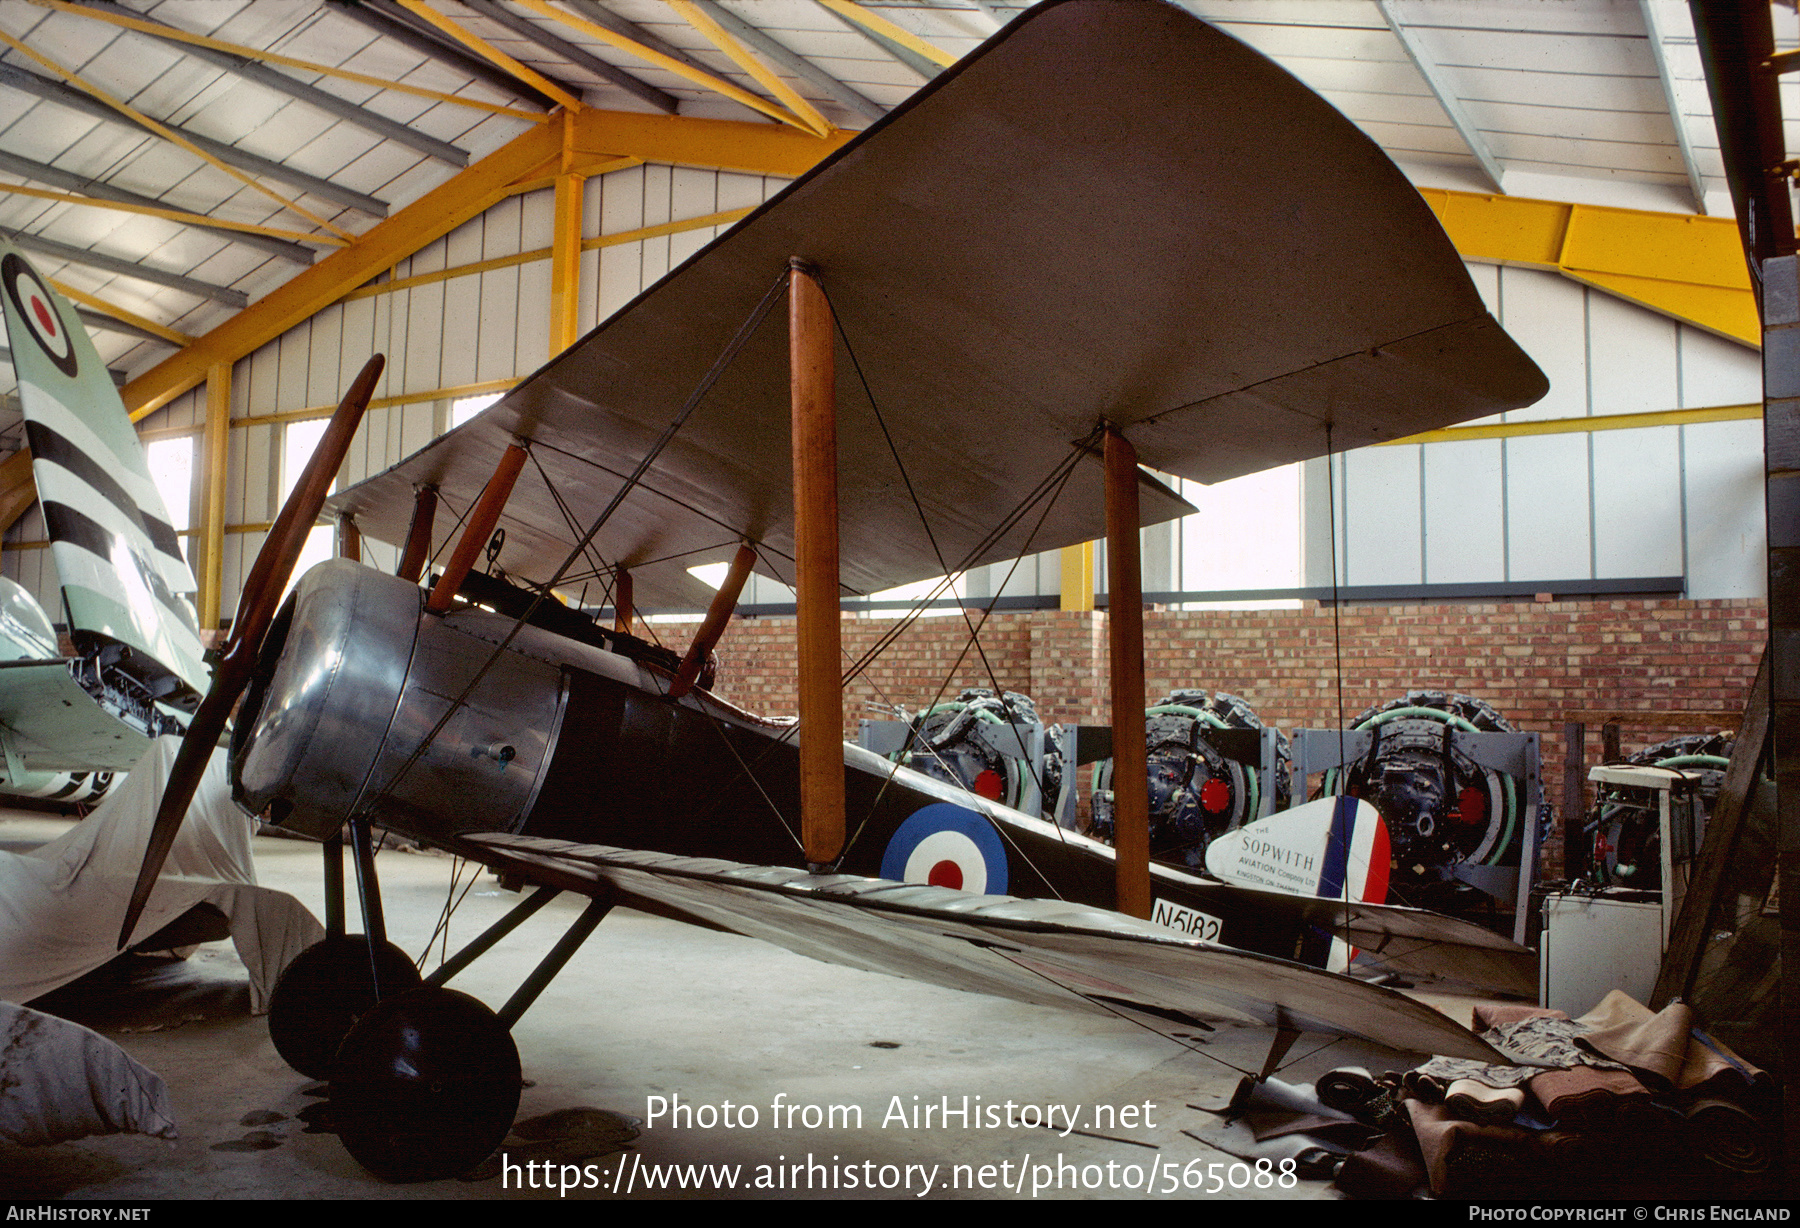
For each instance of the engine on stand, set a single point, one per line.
(992, 745)
(1447, 816)
(1205, 774)
(1622, 832)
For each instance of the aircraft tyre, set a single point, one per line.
(324, 992)
(425, 1086)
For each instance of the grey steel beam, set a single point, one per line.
(67, 96)
(100, 320)
(127, 268)
(600, 15)
(1659, 34)
(765, 44)
(280, 82)
(25, 168)
(1446, 97)
(906, 55)
(392, 21)
(580, 57)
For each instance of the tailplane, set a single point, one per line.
(126, 588)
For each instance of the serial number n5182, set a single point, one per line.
(1190, 921)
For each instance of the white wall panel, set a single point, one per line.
(1382, 527)
(261, 474)
(425, 338)
(358, 339)
(1637, 502)
(325, 386)
(1725, 526)
(292, 367)
(1632, 357)
(1464, 512)
(621, 266)
(1548, 530)
(1546, 315)
(531, 345)
(461, 331)
(1717, 372)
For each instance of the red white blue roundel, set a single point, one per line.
(34, 302)
(947, 845)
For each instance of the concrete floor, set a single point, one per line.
(648, 1009)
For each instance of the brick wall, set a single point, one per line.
(1535, 661)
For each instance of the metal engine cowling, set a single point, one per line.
(354, 678)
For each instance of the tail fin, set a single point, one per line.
(124, 581)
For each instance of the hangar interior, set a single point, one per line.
(247, 200)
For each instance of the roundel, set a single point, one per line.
(947, 845)
(32, 299)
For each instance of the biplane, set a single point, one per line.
(68, 723)
(1025, 252)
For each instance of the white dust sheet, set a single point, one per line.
(60, 910)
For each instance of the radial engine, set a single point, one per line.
(1203, 774)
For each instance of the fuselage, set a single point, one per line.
(440, 726)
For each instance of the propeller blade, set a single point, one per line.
(256, 610)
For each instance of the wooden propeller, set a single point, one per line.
(256, 610)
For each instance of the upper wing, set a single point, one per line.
(1040, 951)
(1018, 252)
(123, 575)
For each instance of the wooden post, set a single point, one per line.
(622, 610)
(1574, 799)
(717, 616)
(349, 539)
(1125, 633)
(813, 387)
(480, 527)
(418, 535)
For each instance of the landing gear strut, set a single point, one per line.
(425, 1080)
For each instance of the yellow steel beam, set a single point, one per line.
(212, 520)
(887, 29)
(123, 21)
(1585, 425)
(720, 144)
(173, 215)
(119, 313)
(433, 215)
(565, 264)
(759, 72)
(1691, 268)
(406, 398)
(1078, 577)
(631, 46)
(494, 55)
(596, 140)
(169, 134)
(723, 218)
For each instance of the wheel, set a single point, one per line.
(425, 1086)
(324, 992)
